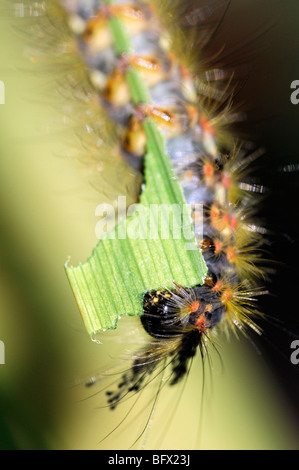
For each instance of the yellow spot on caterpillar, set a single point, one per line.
(117, 91)
(97, 35)
(130, 14)
(150, 69)
(134, 140)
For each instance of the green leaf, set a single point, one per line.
(149, 249)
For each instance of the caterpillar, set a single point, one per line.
(179, 320)
(210, 168)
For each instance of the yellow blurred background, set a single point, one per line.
(47, 214)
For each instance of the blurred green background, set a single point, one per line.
(47, 214)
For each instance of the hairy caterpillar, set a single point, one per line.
(185, 294)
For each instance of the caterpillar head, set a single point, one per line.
(174, 314)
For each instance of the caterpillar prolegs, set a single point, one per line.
(210, 166)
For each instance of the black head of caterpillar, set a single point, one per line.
(179, 321)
